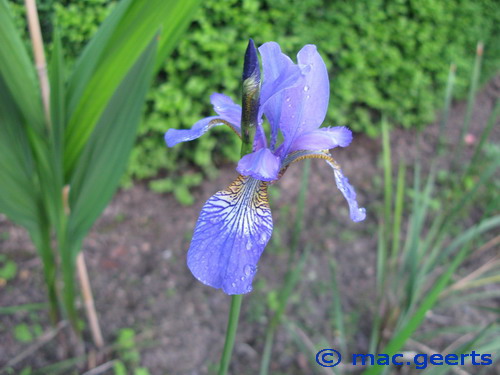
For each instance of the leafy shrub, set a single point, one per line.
(388, 57)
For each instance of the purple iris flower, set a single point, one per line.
(235, 224)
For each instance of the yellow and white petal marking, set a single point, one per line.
(232, 231)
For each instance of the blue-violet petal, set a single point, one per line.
(304, 107)
(357, 214)
(280, 73)
(323, 139)
(262, 165)
(226, 108)
(231, 233)
(175, 136)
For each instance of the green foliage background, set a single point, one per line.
(384, 56)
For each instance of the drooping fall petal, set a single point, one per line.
(357, 214)
(233, 229)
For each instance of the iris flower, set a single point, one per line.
(235, 224)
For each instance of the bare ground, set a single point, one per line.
(136, 257)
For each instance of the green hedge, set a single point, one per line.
(388, 57)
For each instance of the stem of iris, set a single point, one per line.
(249, 119)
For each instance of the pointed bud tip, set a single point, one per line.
(251, 65)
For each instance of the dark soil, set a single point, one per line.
(136, 255)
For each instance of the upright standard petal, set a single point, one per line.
(357, 214)
(262, 165)
(322, 139)
(226, 108)
(280, 73)
(231, 233)
(304, 107)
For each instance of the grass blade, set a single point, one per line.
(398, 211)
(476, 72)
(400, 337)
(484, 135)
(7, 310)
(293, 272)
(386, 154)
(291, 279)
(448, 96)
(338, 327)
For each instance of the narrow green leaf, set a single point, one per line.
(57, 96)
(17, 70)
(467, 347)
(492, 120)
(92, 54)
(471, 100)
(448, 96)
(26, 307)
(292, 277)
(470, 234)
(386, 153)
(413, 322)
(18, 190)
(398, 211)
(126, 36)
(98, 171)
(174, 29)
(381, 281)
(469, 297)
(338, 313)
(433, 332)
(381, 259)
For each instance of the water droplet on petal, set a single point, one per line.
(249, 245)
(308, 96)
(306, 88)
(288, 99)
(242, 278)
(249, 270)
(263, 238)
(233, 285)
(215, 219)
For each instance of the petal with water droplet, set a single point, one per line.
(232, 246)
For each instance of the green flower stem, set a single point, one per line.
(249, 120)
(232, 326)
